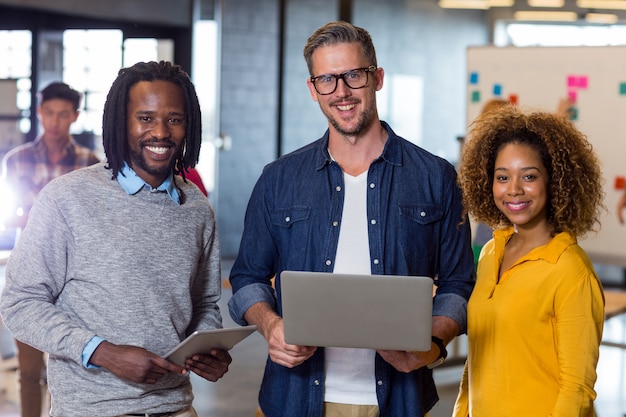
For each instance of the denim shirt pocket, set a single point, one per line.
(287, 217)
(422, 214)
(292, 229)
(419, 234)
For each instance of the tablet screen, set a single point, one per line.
(202, 341)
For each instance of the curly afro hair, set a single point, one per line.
(575, 178)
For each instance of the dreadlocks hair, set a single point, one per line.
(114, 135)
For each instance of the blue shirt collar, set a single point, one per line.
(133, 183)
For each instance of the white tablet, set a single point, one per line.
(202, 341)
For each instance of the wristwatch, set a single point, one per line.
(443, 353)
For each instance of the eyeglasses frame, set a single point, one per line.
(341, 76)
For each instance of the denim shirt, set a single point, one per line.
(415, 225)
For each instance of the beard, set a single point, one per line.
(365, 119)
(139, 160)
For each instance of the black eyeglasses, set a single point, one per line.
(355, 79)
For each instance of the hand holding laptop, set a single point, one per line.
(271, 326)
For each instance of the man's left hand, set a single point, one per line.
(210, 367)
(409, 361)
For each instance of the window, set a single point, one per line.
(15, 64)
(91, 61)
(536, 34)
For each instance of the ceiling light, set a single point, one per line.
(501, 3)
(475, 4)
(605, 18)
(546, 3)
(464, 4)
(602, 4)
(546, 16)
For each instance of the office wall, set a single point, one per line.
(417, 43)
(415, 40)
(249, 110)
(303, 122)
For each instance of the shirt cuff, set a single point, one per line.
(89, 349)
(246, 297)
(453, 306)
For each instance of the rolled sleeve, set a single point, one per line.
(89, 349)
(246, 297)
(453, 306)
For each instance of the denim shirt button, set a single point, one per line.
(335, 224)
(338, 188)
(380, 382)
(328, 262)
(287, 219)
(373, 221)
(372, 185)
(316, 382)
(376, 261)
(423, 214)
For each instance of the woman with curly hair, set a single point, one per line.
(536, 315)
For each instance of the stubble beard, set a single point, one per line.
(365, 119)
(139, 160)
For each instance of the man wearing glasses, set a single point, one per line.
(359, 200)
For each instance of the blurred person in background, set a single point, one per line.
(26, 169)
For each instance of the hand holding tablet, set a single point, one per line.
(202, 341)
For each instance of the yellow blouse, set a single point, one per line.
(534, 336)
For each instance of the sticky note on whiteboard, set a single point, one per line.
(578, 82)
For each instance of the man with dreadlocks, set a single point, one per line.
(120, 261)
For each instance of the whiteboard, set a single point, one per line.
(595, 78)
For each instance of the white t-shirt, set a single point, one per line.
(350, 376)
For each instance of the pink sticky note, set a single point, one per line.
(577, 81)
(571, 81)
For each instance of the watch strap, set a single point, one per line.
(443, 352)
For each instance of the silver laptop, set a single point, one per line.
(359, 311)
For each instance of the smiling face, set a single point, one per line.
(156, 128)
(349, 111)
(520, 186)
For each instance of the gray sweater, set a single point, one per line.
(133, 269)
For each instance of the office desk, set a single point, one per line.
(615, 304)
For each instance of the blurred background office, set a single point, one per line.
(245, 57)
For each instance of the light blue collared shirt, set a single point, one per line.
(132, 184)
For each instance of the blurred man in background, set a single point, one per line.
(26, 169)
